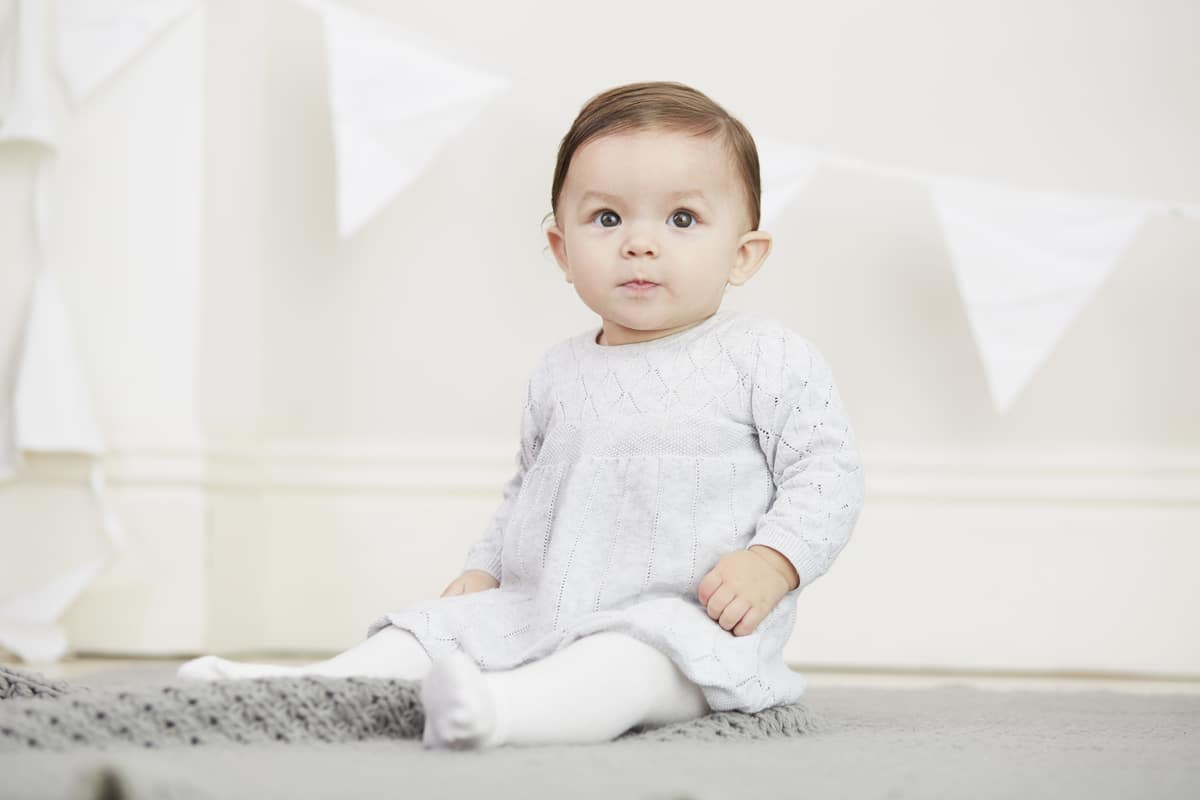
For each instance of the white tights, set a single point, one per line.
(592, 690)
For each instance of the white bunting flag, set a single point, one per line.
(97, 38)
(394, 108)
(1027, 263)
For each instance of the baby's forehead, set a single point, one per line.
(682, 145)
(660, 161)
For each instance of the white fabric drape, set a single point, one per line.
(51, 408)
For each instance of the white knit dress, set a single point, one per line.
(640, 466)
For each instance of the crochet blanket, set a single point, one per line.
(39, 713)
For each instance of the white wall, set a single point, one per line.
(1052, 537)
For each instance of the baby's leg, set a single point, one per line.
(593, 690)
(391, 653)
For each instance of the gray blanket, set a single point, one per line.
(55, 715)
(875, 744)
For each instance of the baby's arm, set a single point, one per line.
(484, 555)
(805, 434)
(809, 448)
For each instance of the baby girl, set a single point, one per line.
(683, 472)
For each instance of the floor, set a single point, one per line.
(77, 666)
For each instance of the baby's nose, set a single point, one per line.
(641, 245)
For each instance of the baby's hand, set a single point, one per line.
(473, 580)
(741, 590)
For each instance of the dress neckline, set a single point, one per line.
(687, 334)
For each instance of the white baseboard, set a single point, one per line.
(1072, 561)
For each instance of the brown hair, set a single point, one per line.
(667, 105)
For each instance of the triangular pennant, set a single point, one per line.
(784, 170)
(27, 113)
(1027, 263)
(51, 404)
(97, 38)
(394, 107)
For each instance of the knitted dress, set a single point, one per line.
(640, 465)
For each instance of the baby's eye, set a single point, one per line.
(683, 219)
(609, 215)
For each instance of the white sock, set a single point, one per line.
(459, 709)
(391, 653)
(213, 668)
(593, 690)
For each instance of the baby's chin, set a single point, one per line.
(647, 328)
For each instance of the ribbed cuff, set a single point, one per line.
(488, 563)
(793, 548)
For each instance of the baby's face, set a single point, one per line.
(658, 206)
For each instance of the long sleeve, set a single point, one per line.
(485, 553)
(809, 445)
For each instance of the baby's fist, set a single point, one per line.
(473, 580)
(741, 590)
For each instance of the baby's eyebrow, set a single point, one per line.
(608, 198)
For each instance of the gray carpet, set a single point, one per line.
(943, 742)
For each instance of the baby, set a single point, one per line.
(683, 471)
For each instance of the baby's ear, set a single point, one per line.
(753, 249)
(558, 246)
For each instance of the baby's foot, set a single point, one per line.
(460, 712)
(212, 668)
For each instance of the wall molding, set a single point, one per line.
(1143, 476)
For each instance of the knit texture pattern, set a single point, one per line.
(640, 466)
(39, 713)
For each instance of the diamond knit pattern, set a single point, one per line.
(639, 466)
(38, 714)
